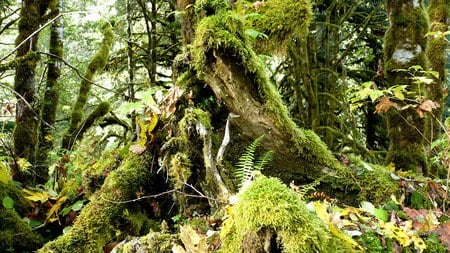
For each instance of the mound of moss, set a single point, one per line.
(267, 215)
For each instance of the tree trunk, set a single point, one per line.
(405, 45)
(51, 96)
(438, 12)
(96, 65)
(25, 133)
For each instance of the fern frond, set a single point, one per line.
(246, 165)
(262, 161)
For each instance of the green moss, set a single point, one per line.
(98, 62)
(404, 46)
(280, 20)
(224, 33)
(100, 220)
(15, 234)
(152, 242)
(268, 206)
(376, 185)
(371, 242)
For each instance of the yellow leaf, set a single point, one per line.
(390, 167)
(4, 175)
(55, 208)
(37, 196)
(23, 163)
(49, 137)
(321, 211)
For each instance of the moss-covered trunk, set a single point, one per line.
(113, 212)
(438, 11)
(77, 125)
(405, 45)
(51, 95)
(25, 133)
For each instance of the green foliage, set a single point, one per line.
(8, 202)
(246, 166)
(269, 206)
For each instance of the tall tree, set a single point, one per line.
(438, 12)
(51, 95)
(405, 46)
(32, 16)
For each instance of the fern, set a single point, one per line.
(247, 164)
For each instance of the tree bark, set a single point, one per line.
(51, 96)
(438, 11)
(405, 45)
(25, 132)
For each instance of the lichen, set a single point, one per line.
(268, 206)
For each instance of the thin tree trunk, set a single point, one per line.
(51, 96)
(25, 133)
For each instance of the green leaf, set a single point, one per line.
(375, 94)
(77, 205)
(381, 214)
(8, 202)
(67, 229)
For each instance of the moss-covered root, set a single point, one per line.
(15, 234)
(102, 220)
(268, 210)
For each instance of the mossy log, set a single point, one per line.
(15, 234)
(111, 214)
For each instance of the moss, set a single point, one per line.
(180, 169)
(371, 242)
(376, 185)
(100, 220)
(268, 206)
(280, 20)
(224, 33)
(404, 46)
(15, 234)
(152, 242)
(98, 62)
(95, 173)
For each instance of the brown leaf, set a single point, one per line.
(172, 99)
(384, 105)
(426, 106)
(443, 231)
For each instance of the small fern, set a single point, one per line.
(247, 164)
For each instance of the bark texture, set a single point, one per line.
(405, 46)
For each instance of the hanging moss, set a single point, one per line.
(405, 46)
(268, 206)
(98, 62)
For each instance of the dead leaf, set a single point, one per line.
(384, 105)
(426, 106)
(443, 231)
(171, 100)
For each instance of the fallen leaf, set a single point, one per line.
(443, 231)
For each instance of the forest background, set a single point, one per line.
(231, 126)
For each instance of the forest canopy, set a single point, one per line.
(224, 126)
